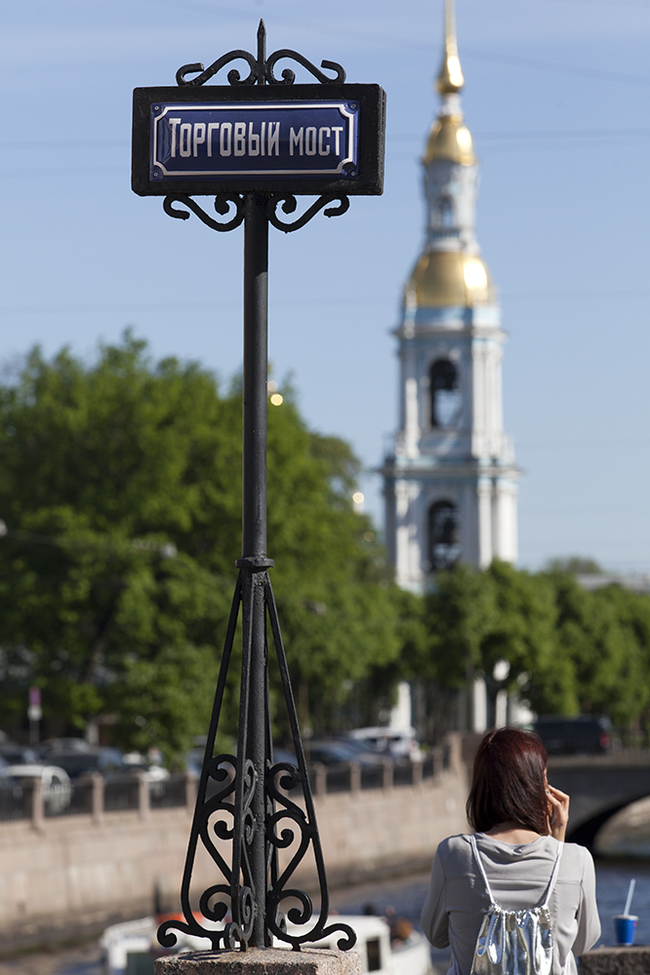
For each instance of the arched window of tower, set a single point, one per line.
(446, 402)
(446, 211)
(444, 548)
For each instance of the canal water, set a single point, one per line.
(405, 897)
(612, 883)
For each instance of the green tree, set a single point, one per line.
(477, 619)
(568, 649)
(603, 636)
(460, 611)
(575, 565)
(444, 653)
(522, 633)
(120, 486)
(633, 612)
(338, 607)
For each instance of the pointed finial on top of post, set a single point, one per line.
(450, 77)
(261, 51)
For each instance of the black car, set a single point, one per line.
(77, 757)
(14, 754)
(333, 751)
(583, 735)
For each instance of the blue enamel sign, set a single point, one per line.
(276, 139)
(298, 139)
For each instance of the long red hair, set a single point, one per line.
(508, 784)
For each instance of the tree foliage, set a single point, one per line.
(569, 650)
(575, 565)
(120, 486)
(604, 638)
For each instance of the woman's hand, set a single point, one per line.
(558, 812)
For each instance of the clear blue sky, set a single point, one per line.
(556, 96)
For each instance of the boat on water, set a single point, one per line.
(130, 948)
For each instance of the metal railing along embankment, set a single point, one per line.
(96, 796)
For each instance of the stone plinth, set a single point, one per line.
(616, 961)
(261, 961)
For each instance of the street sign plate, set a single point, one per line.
(209, 140)
(295, 139)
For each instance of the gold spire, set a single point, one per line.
(449, 138)
(450, 77)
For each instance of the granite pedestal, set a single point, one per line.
(261, 961)
(616, 961)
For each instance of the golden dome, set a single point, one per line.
(450, 139)
(449, 278)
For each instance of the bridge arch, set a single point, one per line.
(600, 786)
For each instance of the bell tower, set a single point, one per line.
(450, 482)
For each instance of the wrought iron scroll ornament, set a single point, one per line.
(260, 73)
(223, 817)
(222, 204)
(261, 67)
(288, 204)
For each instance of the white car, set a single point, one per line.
(57, 790)
(399, 743)
(155, 774)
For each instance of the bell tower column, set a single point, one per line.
(451, 481)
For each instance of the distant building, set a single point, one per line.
(634, 581)
(450, 482)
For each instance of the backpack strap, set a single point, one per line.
(472, 840)
(453, 967)
(551, 883)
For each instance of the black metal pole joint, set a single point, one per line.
(255, 564)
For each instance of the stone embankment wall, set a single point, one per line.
(63, 875)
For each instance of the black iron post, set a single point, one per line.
(246, 814)
(254, 560)
(256, 264)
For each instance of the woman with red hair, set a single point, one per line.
(516, 861)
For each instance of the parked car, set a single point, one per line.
(77, 757)
(7, 786)
(284, 755)
(336, 752)
(57, 790)
(361, 748)
(53, 746)
(11, 795)
(155, 773)
(400, 744)
(14, 753)
(583, 735)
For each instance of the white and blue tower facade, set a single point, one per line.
(450, 483)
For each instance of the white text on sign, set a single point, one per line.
(191, 139)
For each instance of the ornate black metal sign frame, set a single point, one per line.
(301, 139)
